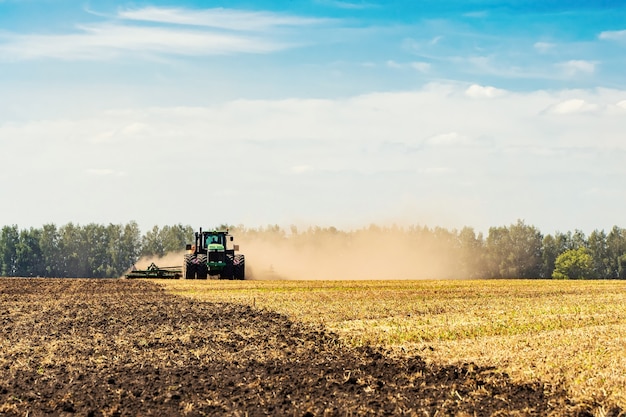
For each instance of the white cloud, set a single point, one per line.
(393, 64)
(415, 45)
(572, 106)
(544, 47)
(479, 91)
(615, 35)
(423, 143)
(420, 66)
(125, 132)
(438, 114)
(575, 67)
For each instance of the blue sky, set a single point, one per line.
(320, 112)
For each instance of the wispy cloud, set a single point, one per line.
(175, 32)
(420, 45)
(420, 66)
(106, 41)
(423, 67)
(348, 5)
(481, 14)
(240, 20)
(544, 47)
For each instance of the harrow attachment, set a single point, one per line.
(153, 271)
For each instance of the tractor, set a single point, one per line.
(209, 256)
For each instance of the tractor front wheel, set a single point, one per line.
(203, 269)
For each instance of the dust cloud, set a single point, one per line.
(329, 254)
(333, 255)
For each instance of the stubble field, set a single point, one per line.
(567, 334)
(124, 347)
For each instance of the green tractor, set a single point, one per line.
(210, 257)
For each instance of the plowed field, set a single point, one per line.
(121, 347)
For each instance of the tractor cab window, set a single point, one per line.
(213, 239)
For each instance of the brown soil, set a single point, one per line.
(122, 347)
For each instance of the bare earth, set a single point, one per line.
(122, 347)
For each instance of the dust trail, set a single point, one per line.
(334, 255)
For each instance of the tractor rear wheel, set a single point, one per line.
(227, 272)
(203, 269)
(189, 267)
(239, 267)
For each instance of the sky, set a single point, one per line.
(337, 113)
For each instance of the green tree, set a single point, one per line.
(129, 246)
(621, 272)
(9, 238)
(49, 244)
(29, 261)
(471, 257)
(95, 240)
(113, 250)
(599, 251)
(549, 252)
(514, 251)
(123, 247)
(576, 240)
(152, 243)
(497, 247)
(616, 248)
(574, 264)
(159, 241)
(176, 237)
(73, 251)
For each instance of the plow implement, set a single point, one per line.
(153, 271)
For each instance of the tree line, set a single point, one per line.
(515, 251)
(89, 251)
